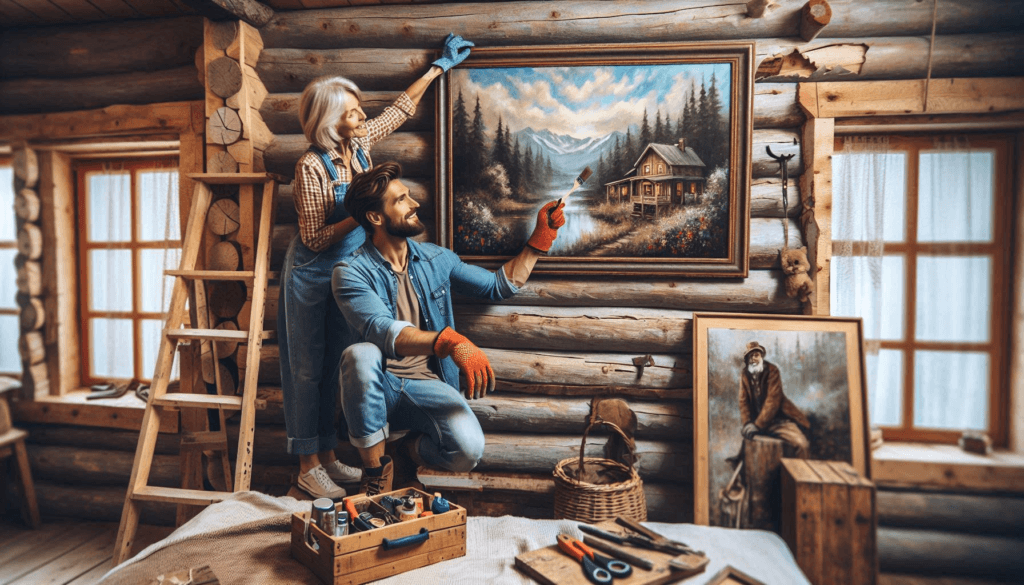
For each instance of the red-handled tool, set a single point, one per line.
(598, 569)
(575, 185)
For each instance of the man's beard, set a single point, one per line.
(405, 229)
(755, 369)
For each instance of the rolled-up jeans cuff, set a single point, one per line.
(371, 439)
(305, 446)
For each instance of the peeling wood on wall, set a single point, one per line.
(835, 58)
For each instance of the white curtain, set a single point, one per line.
(866, 186)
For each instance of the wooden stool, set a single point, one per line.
(12, 442)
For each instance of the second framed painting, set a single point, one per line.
(665, 130)
(767, 387)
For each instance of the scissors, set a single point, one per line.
(598, 569)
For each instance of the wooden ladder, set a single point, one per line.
(177, 330)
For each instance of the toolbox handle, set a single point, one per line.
(390, 544)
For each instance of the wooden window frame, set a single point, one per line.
(998, 345)
(917, 105)
(133, 166)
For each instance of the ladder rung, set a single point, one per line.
(187, 400)
(213, 274)
(151, 493)
(235, 178)
(215, 334)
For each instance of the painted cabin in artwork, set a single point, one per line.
(663, 176)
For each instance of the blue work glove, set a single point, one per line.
(455, 51)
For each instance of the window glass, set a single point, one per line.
(110, 280)
(885, 397)
(109, 207)
(10, 328)
(158, 206)
(8, 279)
(856, 217)
(951, 390)
(156, 298)
(7, 230)
(854, 276)
(955, 196)
(953, 298)
(152, 332)
(112, 360)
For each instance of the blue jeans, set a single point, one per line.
(311, 334)
(374, 400)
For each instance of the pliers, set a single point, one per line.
(597, 568)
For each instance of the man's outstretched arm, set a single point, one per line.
(549, 219)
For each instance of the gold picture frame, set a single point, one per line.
(819, 362)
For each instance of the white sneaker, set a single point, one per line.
(341, 473)
(318, 484)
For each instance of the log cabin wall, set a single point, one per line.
(562, 340)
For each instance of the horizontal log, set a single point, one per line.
(966, 55)
(524, 23)
(669, 377)
(97, 466)
(415, 152)
(100, 49)
(98, 503)
(991, 515)
(761, 292)
(775, 106)
(281, 111)
(517, 453)
(908, 550)
(288, 70)
(103, 438)
(59, 95)
(152, 119)
(509, 412)
(573, 329)
(665, 502)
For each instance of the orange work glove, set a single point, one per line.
(549, 219)
(469, 358)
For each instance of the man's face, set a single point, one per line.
(754, 359)
(400, 218)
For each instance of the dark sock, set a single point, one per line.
(378, 471)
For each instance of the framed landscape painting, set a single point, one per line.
(664, 128)
(767, 387)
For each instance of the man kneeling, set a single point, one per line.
(396, 294)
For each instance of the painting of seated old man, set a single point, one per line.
(788, 390)
(653, 144)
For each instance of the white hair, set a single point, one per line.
(321, 106)
(756, 369)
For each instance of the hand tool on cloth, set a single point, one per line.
(654, 541)
(597, 538)
(575, 185)
(598, 569)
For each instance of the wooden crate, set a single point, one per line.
(829, 521)
(360, 557)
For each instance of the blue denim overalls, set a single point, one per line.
(311, 331)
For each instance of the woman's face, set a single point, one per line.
(351, 124)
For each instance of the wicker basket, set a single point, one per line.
(614, 489)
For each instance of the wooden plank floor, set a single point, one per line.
(63, 552)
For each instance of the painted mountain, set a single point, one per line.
(568, 155)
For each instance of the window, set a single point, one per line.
(936, 331)
(128, 235)
(647, 169)
(661, 169)
(10, 327)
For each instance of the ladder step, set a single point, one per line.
(215, 334)
(151, 493)
(235, 178)
(213, 274)
(243, 275)
(187, 400)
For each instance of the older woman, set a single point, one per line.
(311, 331)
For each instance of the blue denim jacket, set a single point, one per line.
(366, 291)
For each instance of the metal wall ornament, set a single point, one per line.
(666, 128)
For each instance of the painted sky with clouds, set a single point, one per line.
(583, 102)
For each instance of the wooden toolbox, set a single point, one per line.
(828, 521)
(361, 557)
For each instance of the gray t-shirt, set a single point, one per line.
(415, 367)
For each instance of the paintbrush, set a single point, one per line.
(575, 185)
